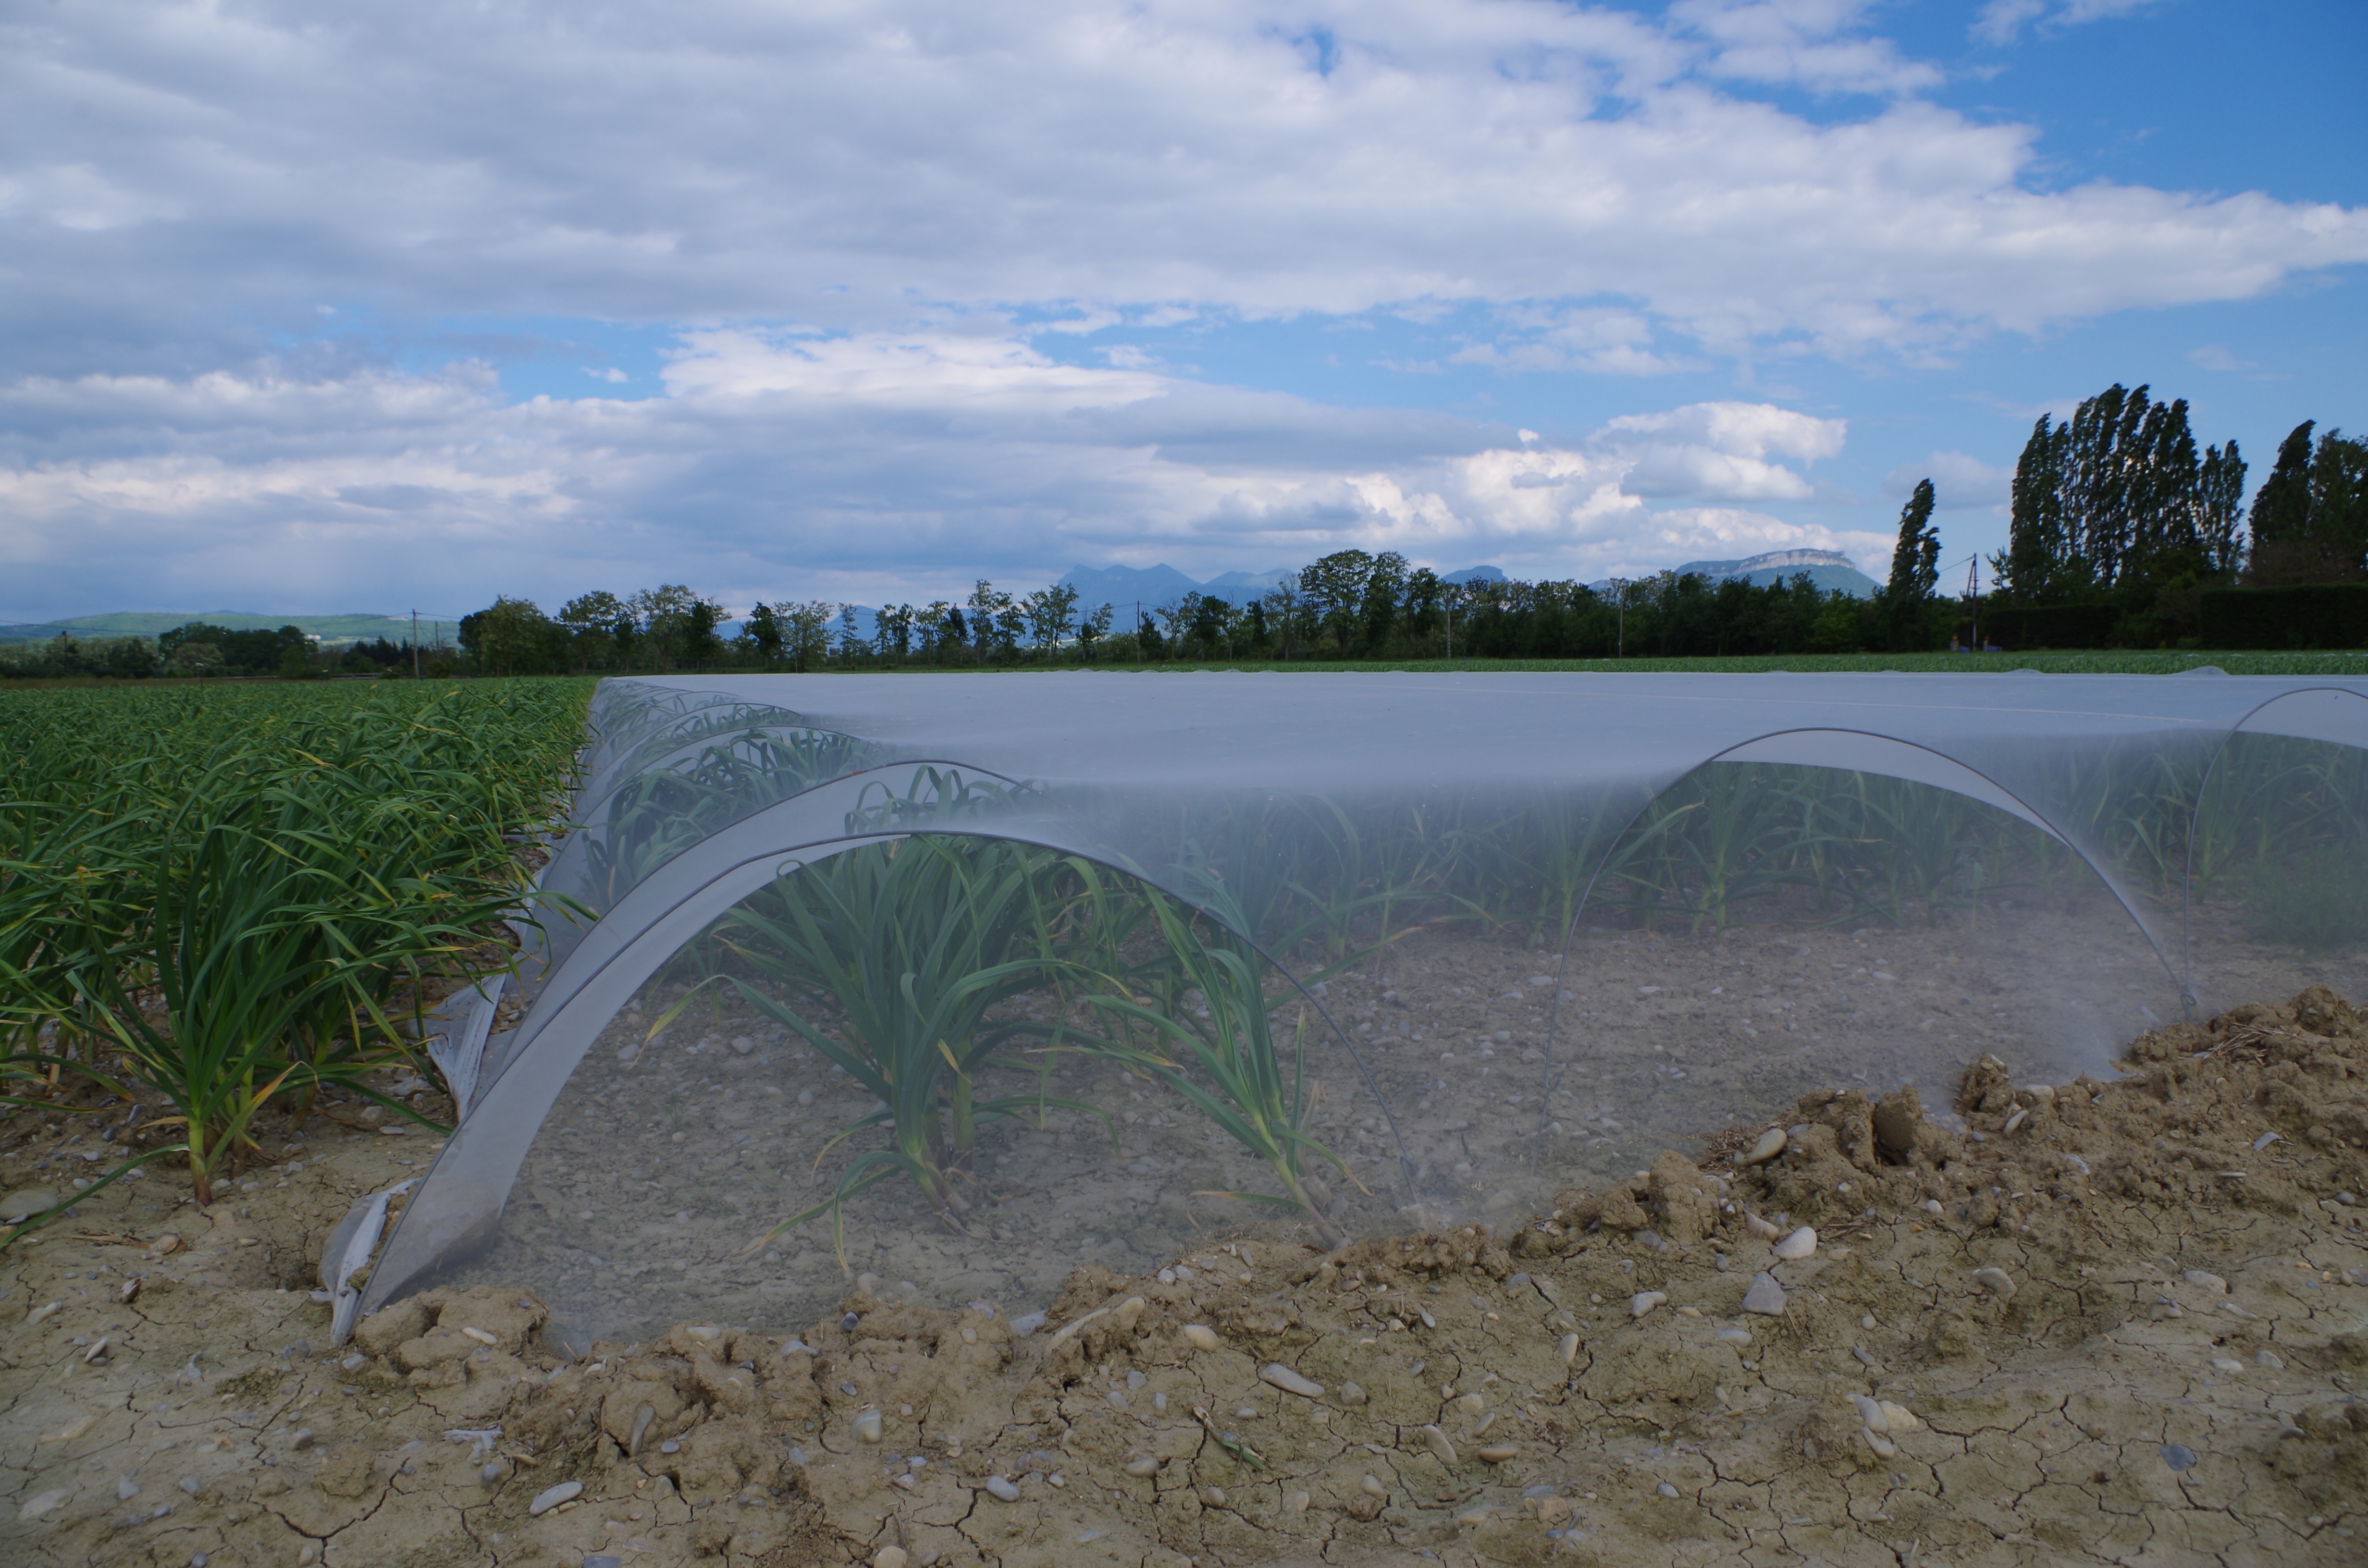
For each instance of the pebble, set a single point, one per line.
(805, 1097)
(867, 1426)
(1766, 1297)
(126, 1490)
(2179, 1456)
(1733, 1336)
(1213, 1496)
(24, 1204)
(566, 1492)
(1001, 1488)
(2263, 1142)
(2021, 1113)
(670, 1446)
(1437, 1443)
(480, 1337)
(2270, 1358)
(1761, 1228)
(1997, 1281)
(1497, 1453)
(1666, 1490)
(741, 1045)
(1899, 1418)
(1289, 1382)
(1644, 1302)
(2202, 1281)
(606, 1559)
(1931, 1205)
(1568, 1349)
(1371, 1486)
(1201, 1337)
(1027, 1323)
(1295, 1501)
(886, 1557)
(1770, 1144)
(1143, 1466)
(1801, 1243)
(1352, 1393)
(1872, 1413)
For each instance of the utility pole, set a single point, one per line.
(1974, 600)
(415, 644)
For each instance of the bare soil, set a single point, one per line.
(2162, 1370)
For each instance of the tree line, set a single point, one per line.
(2117, 505)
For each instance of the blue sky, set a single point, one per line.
(865, 301)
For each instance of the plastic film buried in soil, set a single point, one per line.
(961, 983)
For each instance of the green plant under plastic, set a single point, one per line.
(1228, 1065)
(911, 942)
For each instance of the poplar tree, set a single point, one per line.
(1915, 569)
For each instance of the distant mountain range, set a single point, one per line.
(333, 630)
(1829, 568)
(1153, 586)
(1122, 586)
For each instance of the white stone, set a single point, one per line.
(1289, 1382)
(1766, 1297)
(545, 1501)
(1201, 1337)
(1644, 1302)
(1801, 1243)
(1770, 1144)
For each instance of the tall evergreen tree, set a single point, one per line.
(2282, 506)
(1915, 569)
(2115, 497)
(2220, 508)
(2038, 543)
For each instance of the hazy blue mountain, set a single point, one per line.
(1124, 585)
(1155, 586)
(1829, 568)
(331, 629)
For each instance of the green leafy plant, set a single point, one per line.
(1228, 1065)
(909, 943)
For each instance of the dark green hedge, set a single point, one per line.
(2320, 615)
(2052, 626)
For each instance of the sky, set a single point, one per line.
(310, 309)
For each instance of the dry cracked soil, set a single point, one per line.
(2119, 1319)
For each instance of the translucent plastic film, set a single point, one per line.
(965, 981)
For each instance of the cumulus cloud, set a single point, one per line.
(841, 465)
(2002, 21)
(185, 173)
(1959, 482)
(1802, 43)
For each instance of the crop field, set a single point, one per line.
(228, 899)
(1154, 1141)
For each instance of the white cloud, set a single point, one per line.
(184, 169)
(2215, 357)
(1799, 43)
(2002, 21)
(1959, 482)
(839, 465)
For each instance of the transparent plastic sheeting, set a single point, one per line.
(957, 983)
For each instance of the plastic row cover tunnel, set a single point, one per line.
(960, 982)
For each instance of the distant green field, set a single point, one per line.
(149, 623)
(2087, 663)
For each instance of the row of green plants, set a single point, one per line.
(230, 899)
(901, 963)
